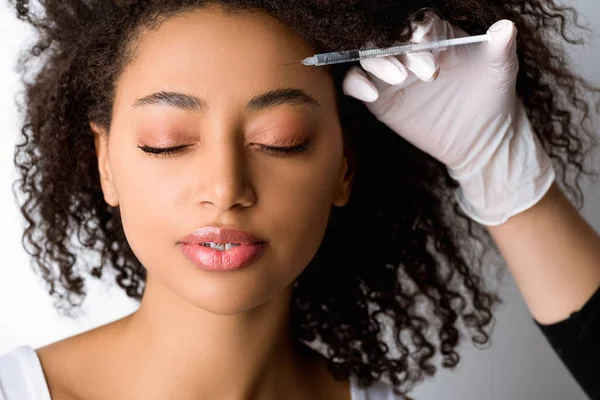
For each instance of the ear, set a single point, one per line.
(106, 179)
(345, 179)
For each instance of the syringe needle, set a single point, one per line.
(292, 63)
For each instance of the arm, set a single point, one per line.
(554, 256)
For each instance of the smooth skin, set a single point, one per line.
(554, 256)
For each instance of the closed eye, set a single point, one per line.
(287, 150)
(163, 151)
(171, 151)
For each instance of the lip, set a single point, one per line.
(221, 235)
(249, 250)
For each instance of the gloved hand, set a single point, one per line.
(461, 108)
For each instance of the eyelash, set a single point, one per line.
(171, 151)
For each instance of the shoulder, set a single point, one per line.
(50, 372)
(377, 391)
(21, 376)
(75, 366)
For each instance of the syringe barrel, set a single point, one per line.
(354, 55)
(337, 57)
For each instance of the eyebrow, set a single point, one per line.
(188, 102)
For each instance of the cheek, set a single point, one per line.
(297, 203)
(143, 203)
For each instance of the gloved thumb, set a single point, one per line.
(502, 48)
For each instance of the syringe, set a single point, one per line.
(353, 55)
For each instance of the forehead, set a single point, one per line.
(221, 56)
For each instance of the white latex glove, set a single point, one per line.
(461, 108)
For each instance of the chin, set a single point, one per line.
(223, 298)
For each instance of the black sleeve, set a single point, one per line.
(577, 342)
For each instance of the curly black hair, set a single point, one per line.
(428, 282)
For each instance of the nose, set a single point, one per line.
(225, 180)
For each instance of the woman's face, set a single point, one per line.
(225, 176)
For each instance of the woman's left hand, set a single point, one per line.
(461, 107)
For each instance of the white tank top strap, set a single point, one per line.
(21, 376)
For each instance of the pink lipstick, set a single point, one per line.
(221, 249)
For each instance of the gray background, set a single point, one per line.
(518, 365)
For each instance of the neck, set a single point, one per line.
(180, 351)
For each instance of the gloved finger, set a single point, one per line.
(424, 64)
(500, 56)
(357, 84)
(430, 29)
(503, 46)
(388, 69)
